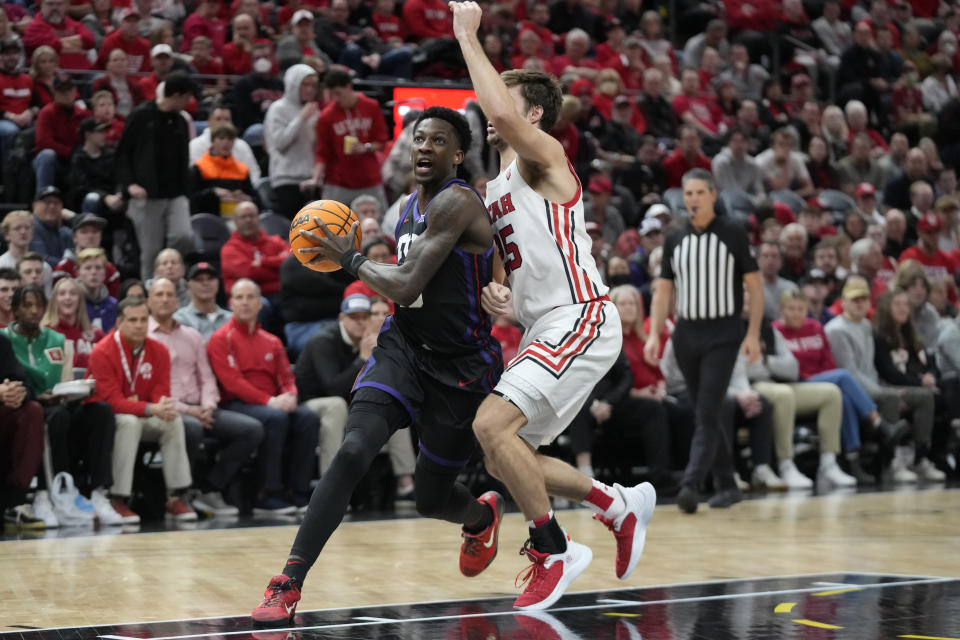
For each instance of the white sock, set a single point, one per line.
(827, 459)
(604, 500)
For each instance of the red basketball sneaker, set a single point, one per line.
(550, 575)
(279, 601)
(479, 549)
(630, 528)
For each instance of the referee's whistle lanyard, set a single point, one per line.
(130, 376)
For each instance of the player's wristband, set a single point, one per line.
(351, 261)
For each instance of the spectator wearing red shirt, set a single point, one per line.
(133, 376)
(937, 265)
(58, 132)
(16, 95)
(161, 60)
(255, 379)
(205, 21)
(68, 37)
(387, 23)
(693, 109)
(752, 15)
(350, 130)
(251, 253)
(428, 19)
(207, 65)
(685, 156)
(527, 46)
(237, 58)
(67, 314)
(857, 120)
(127, 37)
(573, 59)
(611, 53)
(537, 22)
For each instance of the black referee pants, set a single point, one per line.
(706, 352)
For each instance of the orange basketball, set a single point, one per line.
(337, 216)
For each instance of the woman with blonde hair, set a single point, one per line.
(833, 125)
(44, 64)
(67, 314)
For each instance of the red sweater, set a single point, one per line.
(151, 378)
(40, 32)
(58, 128)
(428, 18)
(389, 27)
(238, 254)
(938, 266)
(137, 50)
(16, 92)
(643, 374)
(809, 346)
(238, 62)
(365, 122)
(676, 164)
(198, 25)
(250, 366)
(82, 342)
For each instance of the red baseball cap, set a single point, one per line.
(866, 189)
(783, 213)
(600, 184)
(929, 222)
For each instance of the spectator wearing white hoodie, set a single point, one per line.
(289, 138)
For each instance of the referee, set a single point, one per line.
(707, 262)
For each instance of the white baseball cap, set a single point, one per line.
(161, 50)
(301, 14)
(658, 209)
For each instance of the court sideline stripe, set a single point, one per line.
(620, 603)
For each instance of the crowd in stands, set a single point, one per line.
(164, 145)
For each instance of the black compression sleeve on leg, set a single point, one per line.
(440, 496)
(368, 428)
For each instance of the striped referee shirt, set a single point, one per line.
(707, 269)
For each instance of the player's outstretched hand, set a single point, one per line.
(466, 18)
(496, 301)
(327, 244)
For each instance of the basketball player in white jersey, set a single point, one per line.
(573, 333)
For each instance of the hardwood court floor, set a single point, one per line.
(102, 579)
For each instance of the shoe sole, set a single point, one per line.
(640, 529)
(571, 573)
(498, 516)
(285, 511)
(688, 503)
(274, 622)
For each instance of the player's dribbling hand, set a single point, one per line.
(466, 18)
(651, 350)
(328, 245)
(496, 300)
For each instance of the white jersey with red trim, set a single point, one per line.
(544, 246)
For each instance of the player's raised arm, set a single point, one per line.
(522, 133)
(451, 215)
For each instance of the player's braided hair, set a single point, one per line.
(454, 118)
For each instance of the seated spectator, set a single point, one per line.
(17, 231)
(22, 435)
(793, 250)
(822, 171)
(220, 115)
(826, 259)
(44, 64)
(17, 110)
(51, 27)
(203, 313)
(310, 300)
(775, 112)
(236, 53)
(686, 156)
(206, 64)
(205, 21)
(859, 75)
(302, 41)
(784, 168)
(255, 92)
(105, 112)
(937, 264)
(744, 406)
(289, 144)
(645, 177)
(661, 119)
(835, 132)
(858, 121)
(9, 281)
(161, 64)
(169, 265)
(358, 47)
(127, 38)
(219, 182)
(620, 134)
(866, 259)
(748, 78)
(939, 88)
(91, 273)
(598, 208)
(910, 277)
(865, 197)
(770, 263)
(255, 379)
(808, 343)
(51, 238)
(897, 192)
(91, 180)
(80, 434)
(428, 19)
(902, 360)
(858, 167)
(132, 372)
(734, 168)
(574, 59)
(58, 132)
(908, 112)
(379, 250)
(67, 314)
(253, 254)
(31, 269)
(124, 87)
(815, 287)
(695, 110)
(194, 389)
(87, 234)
